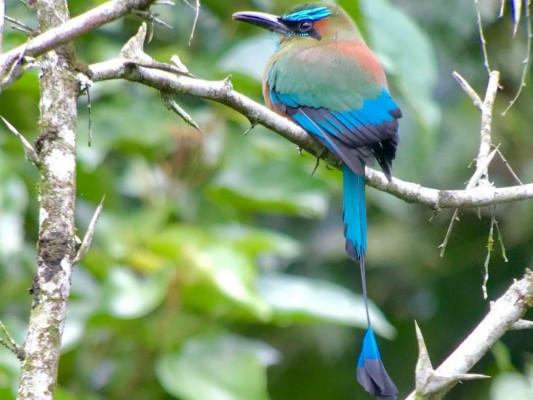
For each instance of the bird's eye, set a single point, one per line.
(305, 26)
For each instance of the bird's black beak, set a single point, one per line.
(263, 20)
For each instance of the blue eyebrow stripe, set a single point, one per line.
(312, 14)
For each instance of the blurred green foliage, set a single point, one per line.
(218, 270)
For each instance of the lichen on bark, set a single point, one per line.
(56, 248)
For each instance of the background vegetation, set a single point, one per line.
(218, 269)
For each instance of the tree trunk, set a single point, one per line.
(56, 249)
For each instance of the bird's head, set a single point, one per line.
(308, 22)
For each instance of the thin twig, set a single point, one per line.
(90, 117)
(500, 241)
(486, 121)
(172, 105)
(444, 243)
(522, 324)
(31, 154)
(20, 25)
(85, 87)
(151, 17)
(91, 229)
(14, 71)
(527, 61)
(472, 183)
(485, 156)
(482, 39)
(490, 249)
(508, 166)
(10, 343)
(469, 90)
(195, 21)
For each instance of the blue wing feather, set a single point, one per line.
(357, 136)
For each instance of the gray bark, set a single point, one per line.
(56, 249)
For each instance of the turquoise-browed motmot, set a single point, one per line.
(324, 77)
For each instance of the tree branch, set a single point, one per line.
(504, 315)
(57, 247)
(223, 92)
(11, 61)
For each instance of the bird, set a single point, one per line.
(323, 77)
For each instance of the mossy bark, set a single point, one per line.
(56, 248)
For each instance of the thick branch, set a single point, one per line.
(485, 143)
(222, 92)
(65, 32)
(504, 314)
(56, 248)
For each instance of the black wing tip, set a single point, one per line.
(387, 171)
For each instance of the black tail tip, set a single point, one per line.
(373, 377)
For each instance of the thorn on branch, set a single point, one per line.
(151, 17)
(252, 126)
(318, 157)
(227, 83)
(134, 48)
(424, 368)
(444, 244)
(522, 324)
(508, 166)
(21, 26)
(176, 60)
(428, 381)
(469, 90)
(133, 51)
(527, 60)
(171, 104)
(14, 64)
(317, 163)
(10, 343)
(88, 238)
(31, 154)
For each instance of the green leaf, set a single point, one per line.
(129, 295)
(81, 307)
(244, 57)
(217, 368)
(257, 242)
(275, 187)
(9, 374)
(215, 276)
(511, 385)
(502, 357)
(263, 172)
(299, 299)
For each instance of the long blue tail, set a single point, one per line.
(354, 213)
(371, 373)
